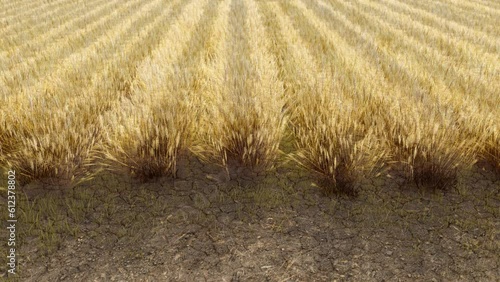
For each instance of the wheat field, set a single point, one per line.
(344, 89)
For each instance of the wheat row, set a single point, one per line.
(345, 89)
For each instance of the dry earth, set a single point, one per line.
(277, 227)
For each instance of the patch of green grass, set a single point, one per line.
(200, 202)
(267, 197)
(51, 217)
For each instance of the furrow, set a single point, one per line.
(289, 51)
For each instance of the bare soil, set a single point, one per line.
(203, 226)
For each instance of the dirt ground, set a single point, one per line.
(276, 227)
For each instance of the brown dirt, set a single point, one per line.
(276, 227)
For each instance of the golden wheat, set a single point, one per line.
(134, 84)
(245, 126)
(329, 136)
(155, 123)
(458, 15)
(430, 89)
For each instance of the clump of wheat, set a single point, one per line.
(147, 140)
(61, 149)
(244, 125)
(431, 148)
(332, 141)
(244, 130)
